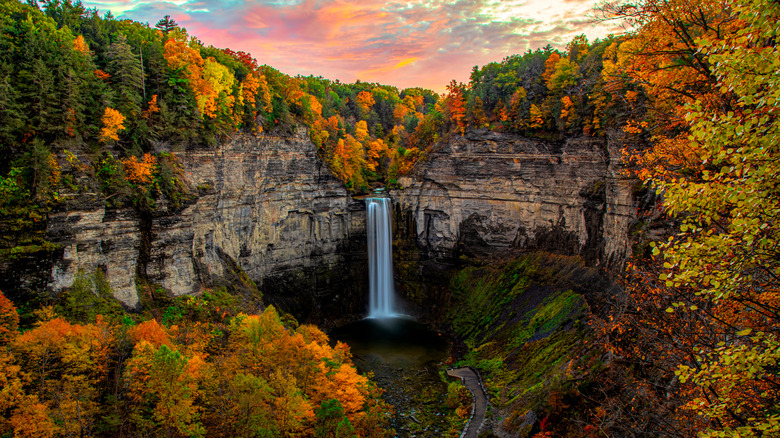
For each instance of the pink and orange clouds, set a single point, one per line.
(413, 43)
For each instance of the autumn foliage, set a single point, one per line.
(245, 376)
(113, 123)
(701, 308)
(139, 171)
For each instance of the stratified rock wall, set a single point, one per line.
(266, 205)
(487, 192)
(268, 211)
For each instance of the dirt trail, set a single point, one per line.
(471, 380)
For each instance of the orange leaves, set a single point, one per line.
(30, 418)
(365, 101)
(149, 331)
(400, 112)
(139, 171)
(164, 384)
(113, 122)
(261, 376)
(265, 94)
(377, 152)
(249, 88)
(549, 66)
(9, 320)
(210, 81)
(153, 108)
(456, 105)
(103, 76)
(180, 56)
(567, 109)
(347, 384)
(80, 45)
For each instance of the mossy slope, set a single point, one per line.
(523, 323)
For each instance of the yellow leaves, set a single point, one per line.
(565, 75)
(170, 381)
(139, 171)
(361, 131)
(113, 122)
(211, 81)
(80, 45)
(567, 109)
(214, 88)
(536, 117)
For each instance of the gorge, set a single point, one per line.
(265, 212)
(268, 221)
(188, 235)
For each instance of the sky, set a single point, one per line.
(414, 43)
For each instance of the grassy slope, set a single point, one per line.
(523, 323)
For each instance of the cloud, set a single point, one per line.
(403, 43)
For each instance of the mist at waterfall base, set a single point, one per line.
(404, 355)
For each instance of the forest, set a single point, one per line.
(92, 103)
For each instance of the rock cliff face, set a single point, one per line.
(268, 215)
(487, 193)
(267, 211)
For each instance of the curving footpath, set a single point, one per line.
(473, 384)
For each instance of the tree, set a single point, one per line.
(113, 122)
(456, 105)
(365, 100)
(80, 45)
(139, 171)
(126, 72)
(331, 421)
(712, 293)
(163, 386)
(166, 25)
(9, 320)
(565, 75)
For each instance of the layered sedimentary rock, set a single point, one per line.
(487, 192)
(267, 209)
(268, 212)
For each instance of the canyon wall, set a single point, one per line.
(267, 214)
(485, 194)
(267, 211)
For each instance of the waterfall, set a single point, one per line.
(380, 258)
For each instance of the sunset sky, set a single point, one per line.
(415, 43)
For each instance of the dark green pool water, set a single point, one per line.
(405, 357)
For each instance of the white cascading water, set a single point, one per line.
(380, 259)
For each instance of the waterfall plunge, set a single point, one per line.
(380, 259)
